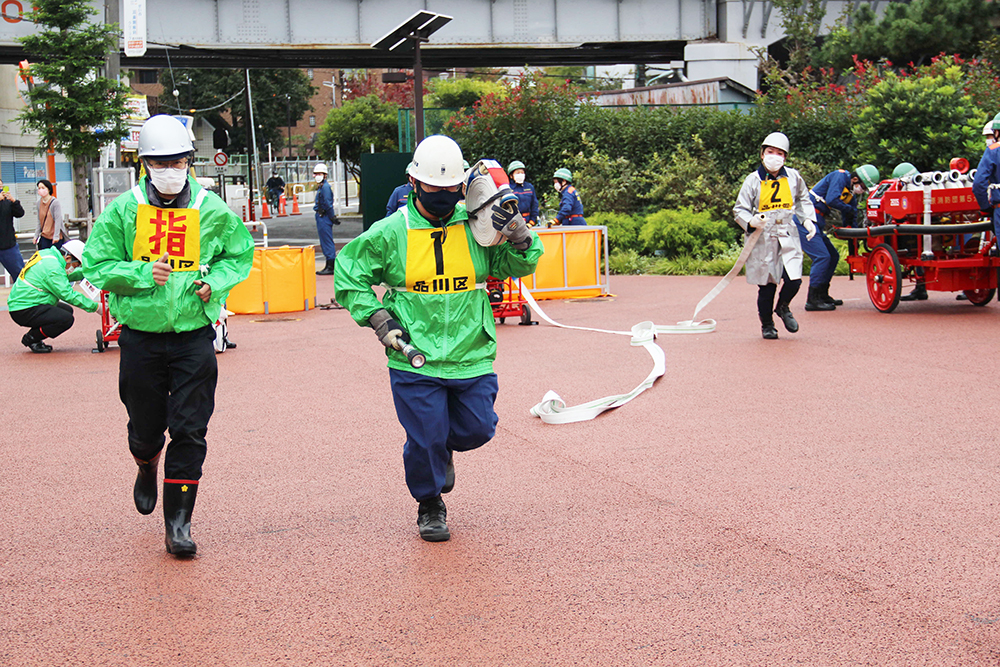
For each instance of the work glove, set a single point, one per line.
(390, 332)
(508, 221)
(810, 228)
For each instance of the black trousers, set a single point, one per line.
(167, 383)
(765, 295)
(46, 321)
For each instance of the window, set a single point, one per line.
(309, 73)
(146, 76)
(312, 121)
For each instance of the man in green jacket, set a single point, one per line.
(40, 299)
(436, 302)
(168, 252)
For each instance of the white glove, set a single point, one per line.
(810, 229)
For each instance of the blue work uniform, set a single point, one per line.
(397, 199)
(570, 207)
(987, 175)
(527, 201)
(325, 219)
(834, 190)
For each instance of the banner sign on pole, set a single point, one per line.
(134, 27)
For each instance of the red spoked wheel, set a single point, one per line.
(979, 297)
(884, 278)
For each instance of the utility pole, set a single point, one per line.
(111, 15)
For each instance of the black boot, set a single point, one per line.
(326, 270)
(829, 299)
(919, 293)
(449, 474)
(814, 301)
(178, 503)
(33, 341)
(767, 329)
(144, 491)
(432, 520)
(782, 311)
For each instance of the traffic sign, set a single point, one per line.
(221, 159)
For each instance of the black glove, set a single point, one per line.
(508, 221)
(390, 332)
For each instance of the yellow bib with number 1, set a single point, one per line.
(439, 262)
(775, 195)
(176, 231)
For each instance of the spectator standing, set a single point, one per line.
(527, 200)
(51, 229)
(326, 218)
(570, 204)
(10, 254)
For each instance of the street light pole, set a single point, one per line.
(288, 109)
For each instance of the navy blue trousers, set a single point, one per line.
(440, 415)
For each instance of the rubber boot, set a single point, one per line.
(782, 311)
(144, 491)
(326, 270)
(829, 299)
(432, 520)
(814, 301)
(178, 503)
(767, 329)
(919, 293)
(449, 474)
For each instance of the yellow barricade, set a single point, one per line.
(574, 264)
(282, 280)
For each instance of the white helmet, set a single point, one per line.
(164, 137)
(988, 129)
(320, 168)
(74, 248)
(438, 162)
(775, 140)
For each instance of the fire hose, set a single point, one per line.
(910, 230)
(552, 409)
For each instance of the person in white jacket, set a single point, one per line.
(768, 200)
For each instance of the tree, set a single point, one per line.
(459, 93)
(362, 83)
(355, 127)
(801, 21)
(72, 108)
(910, 32)
(279, 96)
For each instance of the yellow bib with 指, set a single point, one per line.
(176, 231)
(774, 195)
(35, 259)
(438, 261)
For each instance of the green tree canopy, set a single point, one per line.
(459, 93)
(71, 107)
(355, 127)
(280, 97)
(910, 32)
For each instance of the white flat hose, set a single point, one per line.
(553, 409)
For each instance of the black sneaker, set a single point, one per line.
(432, 520)
(768, 331)
(449, 474)
(40, 348)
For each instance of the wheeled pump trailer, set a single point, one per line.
(926, 228)
(507, 300)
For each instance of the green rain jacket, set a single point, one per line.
(226, 249)
(435, 287)
(43, 280)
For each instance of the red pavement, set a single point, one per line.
(826, 499)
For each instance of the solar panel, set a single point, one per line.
(422, 24)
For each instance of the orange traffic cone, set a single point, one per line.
(282, 213)
(295, 205)
(264, 213)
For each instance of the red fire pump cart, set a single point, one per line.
(507, 300)
(110, 328)
(926, 228)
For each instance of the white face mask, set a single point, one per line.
(859, 190)
(318, 177)
(168, 181)
(989, 141)
(773, 162)
(519, 178)
(557, 186)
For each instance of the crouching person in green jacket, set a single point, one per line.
(168, 252)
(435, 272)
(40, 299)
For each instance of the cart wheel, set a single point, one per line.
(979, 297)
(101, 346)
(884, 278)
(525, 315)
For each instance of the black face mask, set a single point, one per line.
(441, 203)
